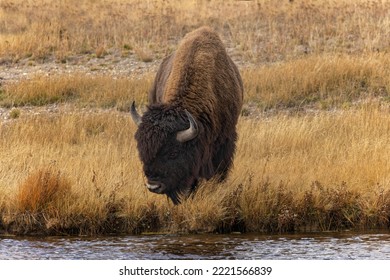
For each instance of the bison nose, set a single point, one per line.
(152, 187)
(155, 186)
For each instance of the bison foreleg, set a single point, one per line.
(223, 158)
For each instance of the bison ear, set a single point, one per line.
(191, 132)
(134, 114)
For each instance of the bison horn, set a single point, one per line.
(134, 114)
(191, 132)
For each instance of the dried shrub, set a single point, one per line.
(14, 113)
(42, 191)
(329, 208)
(268, 207)
(376, 208)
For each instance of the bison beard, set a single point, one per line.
(189, 129)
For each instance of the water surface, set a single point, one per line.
(347, 246)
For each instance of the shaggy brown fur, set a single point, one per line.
(201, 78)
(200, 70)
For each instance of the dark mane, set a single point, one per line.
(158, 123)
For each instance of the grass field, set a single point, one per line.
(258, 31)
(314, 135)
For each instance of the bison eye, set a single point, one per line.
(173, 155)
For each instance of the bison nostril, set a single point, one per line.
(151, 174)
(154, 179)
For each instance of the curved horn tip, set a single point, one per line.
(134, 114)
(191, 119)
(133, 106)
(191, 132)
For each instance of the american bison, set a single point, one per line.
(188, 131)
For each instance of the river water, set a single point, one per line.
(362, 246)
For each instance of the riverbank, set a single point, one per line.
(314, 131)
(76, 171)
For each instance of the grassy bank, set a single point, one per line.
(314, 133)
(74, 172)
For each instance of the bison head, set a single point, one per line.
(166, 141)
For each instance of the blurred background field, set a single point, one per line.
(257, 31)
(313, 136)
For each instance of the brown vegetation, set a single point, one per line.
(258, 30)
(314, 133)
(321, 171)
(41, 191)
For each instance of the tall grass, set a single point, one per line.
(322, 82)
(256, 31)
(324, 171)
(81, 88)
(313, 137)
(79, 147)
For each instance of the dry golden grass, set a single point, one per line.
(313, 140)
(258, 30)
(322, 171)
(81, 146)
(322, 82)
(84, 89)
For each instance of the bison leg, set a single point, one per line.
(223, 158)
